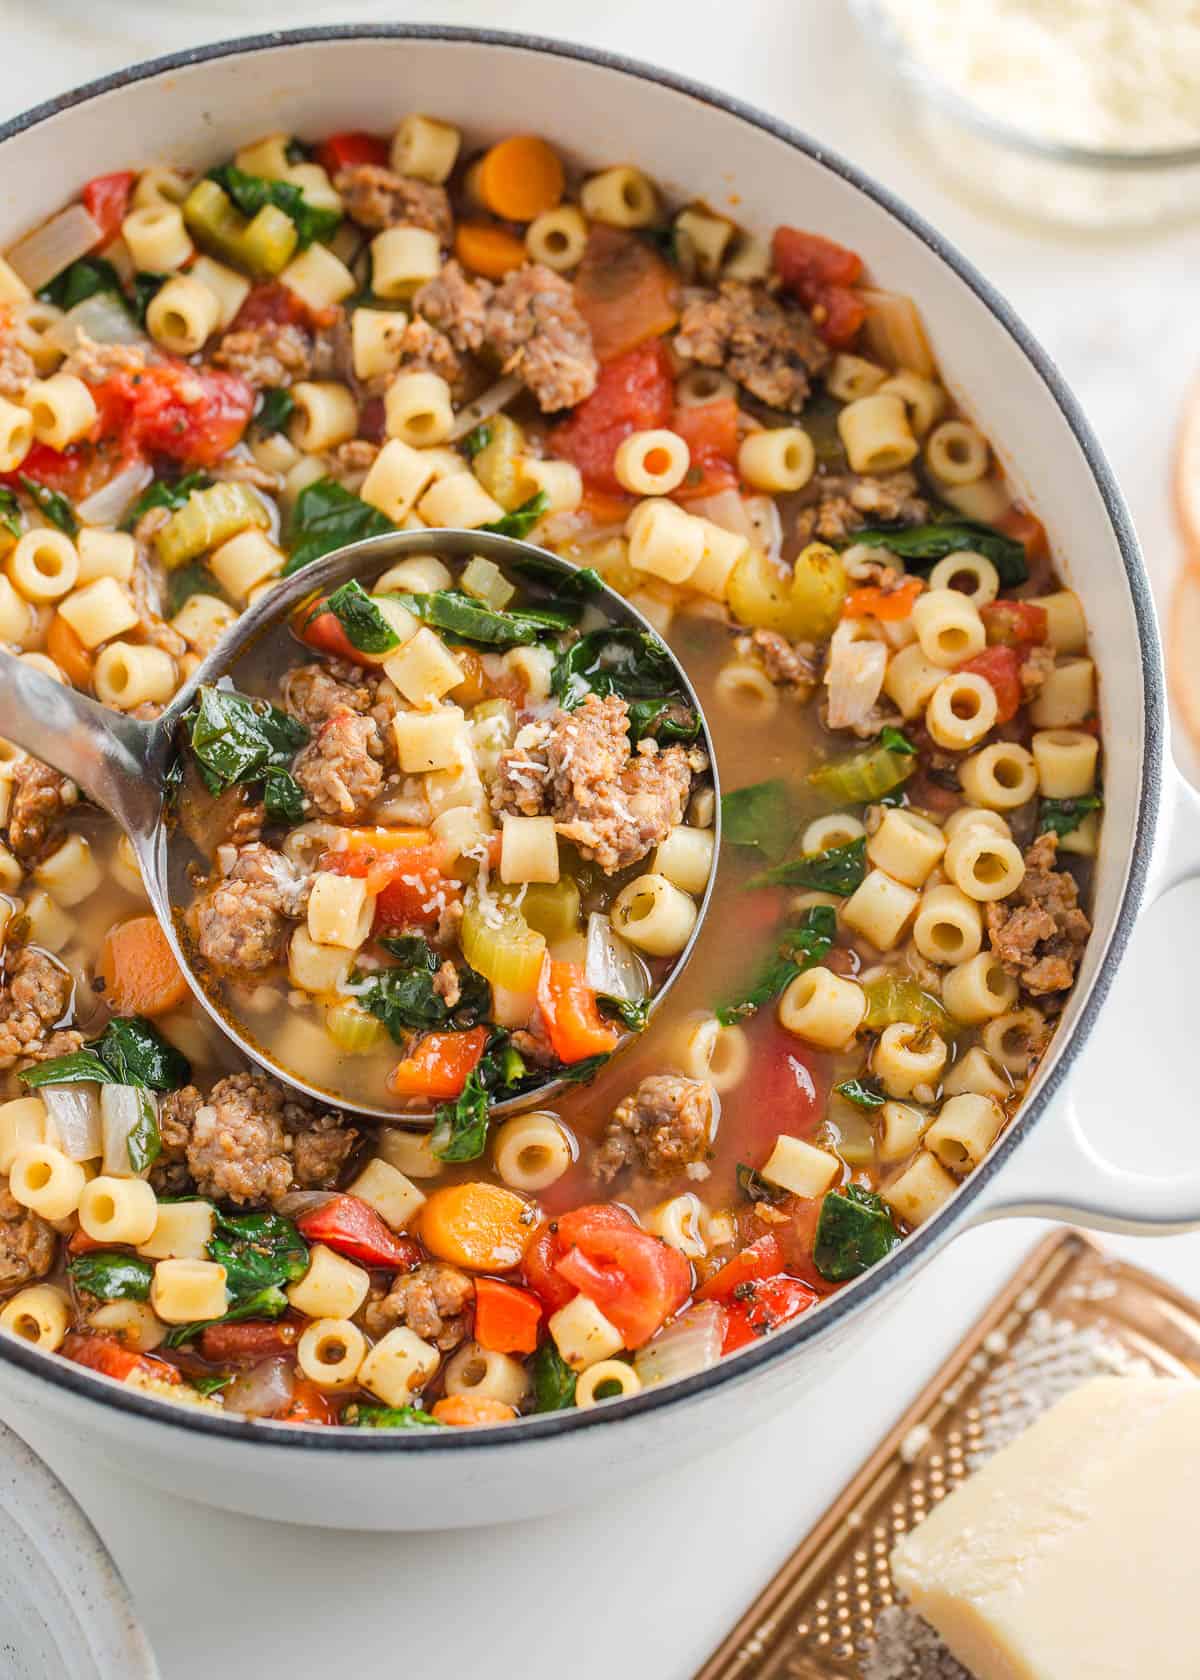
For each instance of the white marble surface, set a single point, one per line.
(653, 1580)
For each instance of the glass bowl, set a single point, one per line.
(1016, 169)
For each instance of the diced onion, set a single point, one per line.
(490, 402)
(691, 1344)
(265, 1390)
(74, 1112)
(854, 679)
(108, 505)
(121, 1109)
(763, 514)
(612, 968)
(103, 318)
(728, 510)
(299, 1202)
(54, 246)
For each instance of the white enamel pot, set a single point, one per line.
(194, 109)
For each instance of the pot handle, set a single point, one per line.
(1056, 1173)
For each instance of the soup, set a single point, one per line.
(221, 378)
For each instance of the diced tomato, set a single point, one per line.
(416, 892)
(343, 151)
(271, 304)
(822, 275)
(784, 1091)
(763, 1305)
(710, 432)
(351, 1227)
(112, 1359)
(603, 508)
(81, 1243)
(309, 1404)
(551, 1241)
(440, 1066)
(635, 1279)
(761, 1259)
(193, 415)
(324, 632)
(1000, 666)
(1015, 623)
(1027, 529)
(633, 393)
(572, 1020)
(839, 314)
(625, 291)
(255, 1338)
(106, 200)
(887, 605)
(506, 1318)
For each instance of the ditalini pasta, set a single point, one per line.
(470, 825)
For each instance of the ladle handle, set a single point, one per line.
(116, 760)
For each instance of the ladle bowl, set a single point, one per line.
(123, 764)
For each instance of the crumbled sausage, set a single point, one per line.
(252, 1140)
(771, 350)
(375, 197)
(790, 665)
(272, 353)
(457, 305)
(341, 768)
(1036, 666)
(39, 798)
(94, 363)
(424, 349)
(176, 1117)
(27, 1242)
(350, 462)
(533, 324)
(840, 503)
(447, 985)
(1041, 936)
(36, 996)
(244, 918)
(663, 1127)
(434, 1302)
(17, 370)
(615, 806)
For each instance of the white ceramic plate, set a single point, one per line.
(65, 1612)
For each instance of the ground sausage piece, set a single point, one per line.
(535, 328)
(788, 664)
(770, 350)
(313, 693)
(844, 502)
(1036, 666)
(1041, 937)
(341, 768)
(377, 198)
(39, 797)
(94, 363)
(273, 353)
(423, 349)
(35, 997)
(662, 1127)
(26, 1242)
(457, 305)
(350, 462)
(615, 806)
(17, 371)
(245, 918)
(434, 1302)
(176, 1117)
(252, 1141)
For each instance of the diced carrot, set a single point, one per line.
(488, 250)
(602, 508)
(506, 1318)
(471, 1411)
(625, 292)
(106, 1355)
(309, 1404)
(68, 653)
(1027, 529)
(139, 971)
(378, 840)
(480, 1226)
(81, 1243)
(888, 605)
(710, 432)
(520, 177)
(440, 1065)
(568, 1008)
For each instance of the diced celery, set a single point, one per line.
(486, 582)
(864, 776)
(269, 241)
(497, 466)
(352, 1029)
(499, 943)
(216, 222)
(552, 909)
(208, 518)
(891, 998)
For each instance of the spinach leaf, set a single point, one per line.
(576, 585)
(1063, 816)
(81, 1066)
(895, 740)
(165, 493)
(268, 1303)
(53, 505)
(796, 949)
(839, 869)
(210, 1385)
(186, 581)
(666, 720)
(761, 815)
(631, 1015)
(553, 1380)
(143, 1145)
(274, 410)
(235, 739)
(130, 1051)
(112, 1276)
(259, 1251)
(521, 520)
(80, 280)
(404, 998)
(251, 192)
(920, 546)
(364, 1415)
(578, 1073)
(470, 621)
(755, 1187)
(283, 799)
(461, 1128)
(359, 616)
(854, 1230)
(633, 664)
(146, 288)
(477, 439)
(860, 1092)
(328, 517)
(10, 512)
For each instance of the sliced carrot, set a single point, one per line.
(68, 653)
(139, 971)
(568, 1007)
(440, 1065)
(625, 291)
(506, 1318)
(477, 1225)
(888, 605)
(520, 177)
(380, 840)
(470, 1411)
(309, 1404)
(488, 250)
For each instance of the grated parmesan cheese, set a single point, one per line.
(1105, 75)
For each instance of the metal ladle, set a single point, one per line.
(122, 763)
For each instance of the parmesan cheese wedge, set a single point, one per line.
(1072, 1554)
